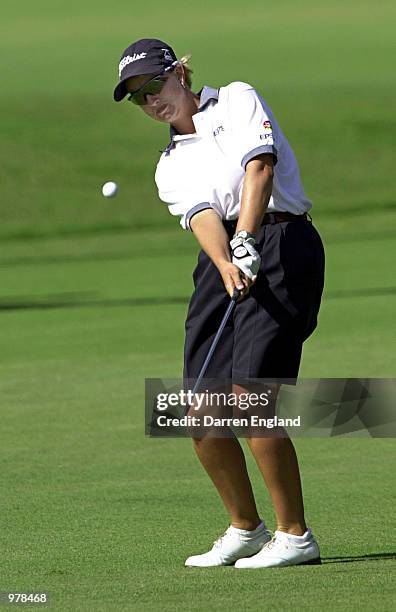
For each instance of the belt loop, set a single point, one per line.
(272, 218)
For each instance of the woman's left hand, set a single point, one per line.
(244, 254)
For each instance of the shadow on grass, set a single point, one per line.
(86, 257)
(32, 260)
(88, 300)
(363, 292)
(356, 558)
(81, 300)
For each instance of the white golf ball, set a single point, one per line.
(110, 189)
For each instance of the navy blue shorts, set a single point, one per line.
(264, 337)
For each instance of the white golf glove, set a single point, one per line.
(244, 255)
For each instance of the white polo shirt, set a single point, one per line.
(206, 169)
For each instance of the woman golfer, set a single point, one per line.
(231, 176)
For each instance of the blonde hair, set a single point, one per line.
(187, 69)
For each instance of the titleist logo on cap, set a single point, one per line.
(129, 59)
(167, 55)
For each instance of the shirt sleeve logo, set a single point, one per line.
(267, 139)
(267, 135)
(217, 131)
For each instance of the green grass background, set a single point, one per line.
(92, 511)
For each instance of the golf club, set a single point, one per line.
(223, 323)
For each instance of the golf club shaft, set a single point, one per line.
(223, 323)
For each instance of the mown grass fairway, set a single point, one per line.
(93, 295)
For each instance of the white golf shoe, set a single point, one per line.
(233, 545)
(285, 549)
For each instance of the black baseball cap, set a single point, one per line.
(146, 56)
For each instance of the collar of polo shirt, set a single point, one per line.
(206, 94)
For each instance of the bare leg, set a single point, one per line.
(277, 461)
(278, 464)
(224, 461)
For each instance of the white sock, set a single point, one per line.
(298, 539)
(246, 532)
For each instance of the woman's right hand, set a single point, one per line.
(234, 278)
(210, 233)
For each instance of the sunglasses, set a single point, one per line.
(152, 87)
